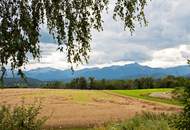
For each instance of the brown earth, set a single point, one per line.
(165, 95)
(82, 108)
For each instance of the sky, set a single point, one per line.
(165, 42)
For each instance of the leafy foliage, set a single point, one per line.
(70, 22)
(54, 85)
(21, 117)
(182, 121)
(140, 83)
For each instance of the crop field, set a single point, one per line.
(85, 108)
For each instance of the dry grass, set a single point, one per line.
(81, 108)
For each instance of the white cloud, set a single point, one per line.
(50, 57)
(170, 57)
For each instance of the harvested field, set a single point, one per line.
(82, 108)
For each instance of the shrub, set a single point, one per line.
(182, 121)
(23, 117)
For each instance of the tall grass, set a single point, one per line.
(144, 121)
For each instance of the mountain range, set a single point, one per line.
(129, 71)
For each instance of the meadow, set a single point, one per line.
(144, 95)
(81, 109)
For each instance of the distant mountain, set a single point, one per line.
(49, 74)
(129, 71)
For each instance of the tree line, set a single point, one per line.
(140, 83)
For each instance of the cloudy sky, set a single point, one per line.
(164, 43)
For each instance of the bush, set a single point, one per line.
(182, 121)
(21, 117)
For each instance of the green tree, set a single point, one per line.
(91, 82)
(168, 82)
(74, 83)
(55, 84)
(182, 121)
(70, 23)
(82, 83)
(148, 82)
(137, 84)
(129, 84)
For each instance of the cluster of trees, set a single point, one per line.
(141, 83)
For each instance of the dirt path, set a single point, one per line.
(77, 108)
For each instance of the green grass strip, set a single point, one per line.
(144, 94)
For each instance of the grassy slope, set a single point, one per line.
(143, 94)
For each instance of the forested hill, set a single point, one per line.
(18, 82)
